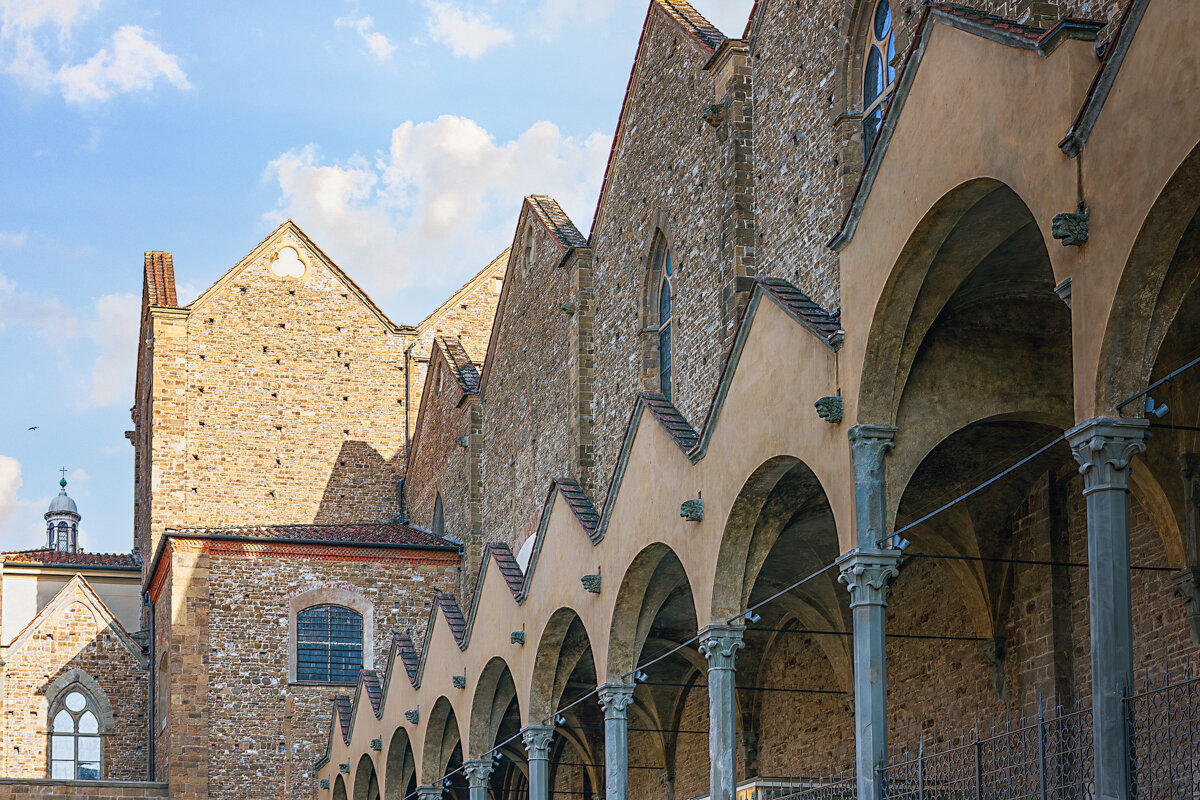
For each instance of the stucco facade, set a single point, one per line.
(923, 293)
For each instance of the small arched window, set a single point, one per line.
(329, 644)
(665, 277)
(527, 256)
(63, 540)
(75, 737)
(879, 76)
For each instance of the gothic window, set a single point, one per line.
(879, 76)
(665, 277)
(161, 697)
(62, 543)
(75, 738)
(329, 644)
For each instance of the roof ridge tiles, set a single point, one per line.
(556, 220)
(693, 22)
(513, 575)
(409, 657)
(580, 503)
(673, 422)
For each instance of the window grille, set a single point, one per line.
(329, 644)
(879, 76)
(75, 739)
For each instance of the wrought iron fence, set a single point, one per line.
(1050, 759)
(822, 786)
(1164, 734)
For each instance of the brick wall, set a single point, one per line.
(72, 638)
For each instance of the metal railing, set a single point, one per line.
(1049, 759)
(1164, 737)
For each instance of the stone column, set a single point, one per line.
(478, 771)
(720, 644)
(615, 699)
(429, 793)
(867, 574)
(867, 571)
(1187, 580)
(537, 751)
(1104, 448)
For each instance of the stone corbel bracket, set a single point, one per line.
(517, 637)
(692, 510)
(412, 715)
(1071, 228)
(459, 681)
(830, 408)
(592, 582)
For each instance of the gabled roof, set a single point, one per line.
(158, 287)
(78, 590)
(55, 558)
(551, 214)
(461, 366)
(699, 29)
(291, 227)
(963, 18)
(499, 264)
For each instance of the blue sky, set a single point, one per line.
(400, 135)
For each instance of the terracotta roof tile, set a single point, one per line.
(820, 321)
(343, 709)
(579, 503)
(693, 22)
(408, 653)
(508, 565)
(159, 288)
(454, 615)
(461, 365)
(49, 557)
(1029, 32)
(669, 417)
(556, 220)
(372, 533)
(372, 688)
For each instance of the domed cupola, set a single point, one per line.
(62, 522)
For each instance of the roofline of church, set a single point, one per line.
(290, 540)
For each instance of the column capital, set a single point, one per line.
(615, 698)
(1104, 447)
(880, 436)
(429, 793)
(867, 574)
(537, 740)
(720, 644)
(478, 770)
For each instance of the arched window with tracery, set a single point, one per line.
(664, 273)
(329, 644)
(75, 737)
(879, 76)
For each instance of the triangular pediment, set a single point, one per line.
(289, 234)
(78, 590)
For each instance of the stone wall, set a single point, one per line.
(71, 642)
(81, 790)
(527, 410)
(664, 175)
(260, 735)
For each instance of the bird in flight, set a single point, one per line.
(33, 427)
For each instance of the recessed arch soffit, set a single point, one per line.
(399, 766)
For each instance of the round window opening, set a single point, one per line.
(287, 263)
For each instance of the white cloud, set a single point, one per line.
(79, 475)
(134, 64)
(11, 239)
(44, 312)
(439, 203)
(34, 31)
(114, 331)
(466, 33)
(377, 44)
(14, 512)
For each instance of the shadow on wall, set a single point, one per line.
(362, 487)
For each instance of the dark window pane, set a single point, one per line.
(328, 644)
(883, 19)
(871, 127)
(664, 302)
(891, 56)
(872, 76)
(664, 361)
